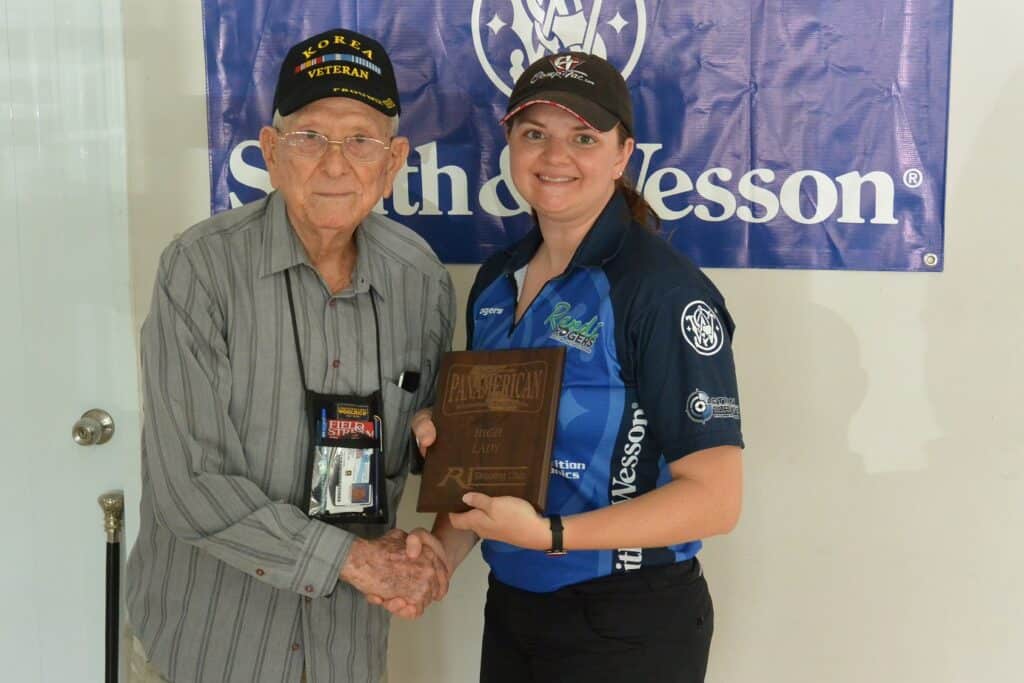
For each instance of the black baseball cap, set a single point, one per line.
(585, 85)
(337, 63)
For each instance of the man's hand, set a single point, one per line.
(418, 542)
(393, 567)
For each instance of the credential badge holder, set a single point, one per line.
(345, 476)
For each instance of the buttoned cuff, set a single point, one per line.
(328, 550)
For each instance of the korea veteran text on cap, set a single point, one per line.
(337, 63)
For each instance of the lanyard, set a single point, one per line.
(298, 345)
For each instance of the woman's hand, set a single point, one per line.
(423, 429)
(504, 518)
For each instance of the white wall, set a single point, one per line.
(882, 532)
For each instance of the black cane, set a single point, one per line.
(113, 510)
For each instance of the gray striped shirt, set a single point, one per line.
(229, 581)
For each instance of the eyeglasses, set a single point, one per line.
(358, 148)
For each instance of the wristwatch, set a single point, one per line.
(556, 549)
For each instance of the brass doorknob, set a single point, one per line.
(94, 428)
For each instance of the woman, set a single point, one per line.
(647, 455)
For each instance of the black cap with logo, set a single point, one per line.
(337, 63)
(585, 85)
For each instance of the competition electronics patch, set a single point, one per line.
(701, 408)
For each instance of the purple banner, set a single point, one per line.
(786, 134)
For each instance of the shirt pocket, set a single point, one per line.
(398, 408)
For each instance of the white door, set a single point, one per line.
(67, 342)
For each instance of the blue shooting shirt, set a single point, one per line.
(649, 378)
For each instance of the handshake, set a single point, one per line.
(403, 572)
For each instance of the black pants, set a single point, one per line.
(651, 626)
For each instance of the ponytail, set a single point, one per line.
(639, 209)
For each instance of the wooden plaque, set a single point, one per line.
(495, 414)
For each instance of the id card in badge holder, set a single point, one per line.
(346, 470)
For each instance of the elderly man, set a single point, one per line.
(306, 293)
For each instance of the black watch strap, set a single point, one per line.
(556, 536)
